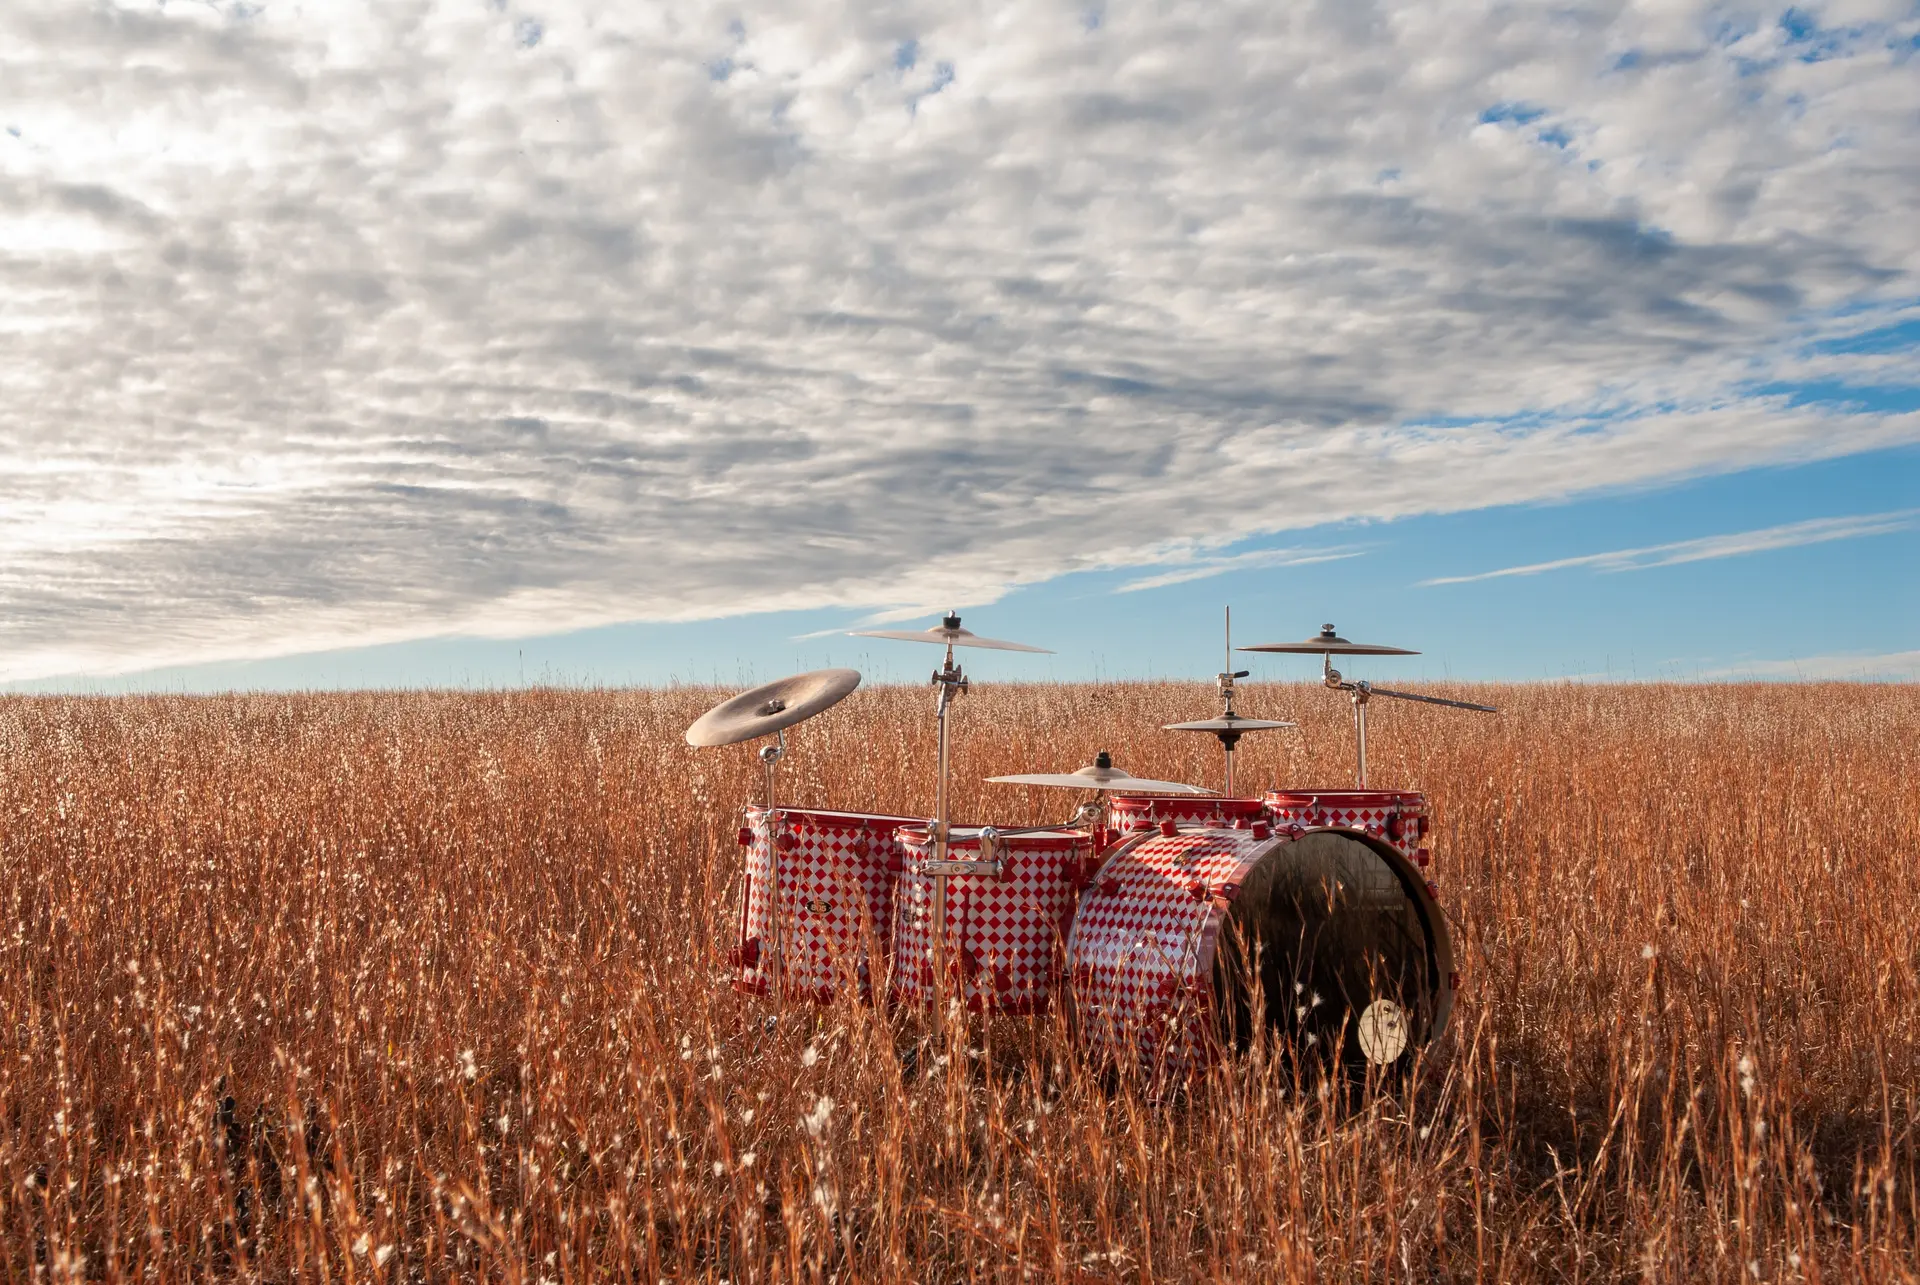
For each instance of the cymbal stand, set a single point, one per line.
(951, 683)
(1364, 691)
(1361, 692)
(1228, 737)
(770, 755)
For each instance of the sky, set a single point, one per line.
(511, 341)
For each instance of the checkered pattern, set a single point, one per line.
(1141, 811)
(1398, 816)
(1004, 932)
(837, 873)
(1141, 956)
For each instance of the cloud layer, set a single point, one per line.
(334, 323)
(1708, 548)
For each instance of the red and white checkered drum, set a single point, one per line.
(1144, 811)
(1398, 816)
(1005, 932)
(1185, 945)
(837, 872)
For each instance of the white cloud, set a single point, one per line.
(350, 322)
(1197, 567)
(1789, 535)
(1844, 667)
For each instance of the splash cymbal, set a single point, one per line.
(772, 707)
(1100, 775)
(948, 633)
(1328, 641)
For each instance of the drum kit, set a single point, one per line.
(1176, 923)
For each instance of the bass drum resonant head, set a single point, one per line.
(1330, 948)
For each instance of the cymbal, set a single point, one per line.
(1101, 775)
(773, 706)
(1328, 641)
(1235, 724)
(948, 633)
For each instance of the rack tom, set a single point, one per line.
(1005, 931)
(1145, 811)
(1397, 816)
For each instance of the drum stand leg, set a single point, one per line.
(951, 683)
(1360, 730)
(770, 756)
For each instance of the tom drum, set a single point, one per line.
(1131, 812)
(1005, 932)
(833, 912)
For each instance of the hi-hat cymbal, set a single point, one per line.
(1234, 724)
(1328, 641)
(948, 633)
(1101, 775)
(770, 708)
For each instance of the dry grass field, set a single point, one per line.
(429, 986)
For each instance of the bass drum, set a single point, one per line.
(1187, 945)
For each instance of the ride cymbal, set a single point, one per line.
(948, 633)
(1328, 641)
(772, 707)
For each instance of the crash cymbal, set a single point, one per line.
(1328, 641)
(1230, 724)
(948, 633)
(772, 707)
(1102, 775)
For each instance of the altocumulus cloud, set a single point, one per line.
(330, 323)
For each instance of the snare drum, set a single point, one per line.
(1188, 944)
(1144, 811)
(1398, 816)
(1005, 931)
(836, 879)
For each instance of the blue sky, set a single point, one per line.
(1842, 608)
(353, 344)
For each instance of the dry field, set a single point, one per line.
(427, 986)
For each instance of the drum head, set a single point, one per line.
(1327, 945)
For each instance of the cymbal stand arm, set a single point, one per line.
(770, 756)
(951, 683)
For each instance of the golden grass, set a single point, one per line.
(383, 987)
